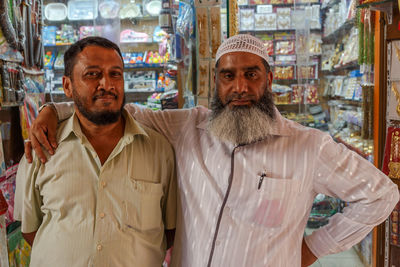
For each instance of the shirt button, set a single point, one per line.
(218, 243)
(99, 247)
(103, 184)
(102, 215)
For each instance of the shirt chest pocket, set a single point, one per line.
(269, 205)
(142, 206)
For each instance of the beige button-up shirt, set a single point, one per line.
(86, 214)
(225, 219)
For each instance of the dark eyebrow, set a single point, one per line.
(251, 68)
(98, 67)
(225, 70)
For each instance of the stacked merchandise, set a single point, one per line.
(345, 79)
(142, 29)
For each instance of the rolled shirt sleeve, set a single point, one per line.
(370, 194)
(27, 198)
(64, 110)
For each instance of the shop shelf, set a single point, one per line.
(349, 66)
(340, 32)
(375, 3)
(282, 4)
(144, 66)
(57, 45)
(348, 101)
(277, 30)
(294, 79)
(131, 66)
(10, 104)
(146, 18)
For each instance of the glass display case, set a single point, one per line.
(146, 38)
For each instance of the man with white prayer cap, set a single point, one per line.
(247, 177)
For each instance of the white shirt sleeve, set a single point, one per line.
(370, 194)
(171, 123)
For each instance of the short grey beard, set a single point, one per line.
(242, 125)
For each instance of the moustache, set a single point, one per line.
(244, 97)
(104, 93)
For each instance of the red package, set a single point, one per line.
(311, 94)
(391, 159)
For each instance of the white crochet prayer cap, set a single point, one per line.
(243, 43)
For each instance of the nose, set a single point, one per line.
(106, 83)
(240, 85)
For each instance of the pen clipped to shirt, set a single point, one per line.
(262, 176)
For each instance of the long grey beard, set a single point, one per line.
(242, 125)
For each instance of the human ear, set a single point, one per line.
(67, 86)
(270, 77)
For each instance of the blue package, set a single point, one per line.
(49, 35)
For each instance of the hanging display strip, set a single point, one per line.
(394, 228)
(208, 18)
(395, 61)
(391, 163)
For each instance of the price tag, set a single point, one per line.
(264, 8)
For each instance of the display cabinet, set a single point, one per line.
(133, 25)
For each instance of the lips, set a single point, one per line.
(105, 96)
(238, 102)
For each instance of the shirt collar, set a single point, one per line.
(280, 126)
(132, 128)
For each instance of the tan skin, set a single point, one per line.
(238, 73)
(241, 73)
(97, 70)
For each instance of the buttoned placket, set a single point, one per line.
(101, 212)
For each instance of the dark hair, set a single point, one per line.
(76, 48)
(265, 63)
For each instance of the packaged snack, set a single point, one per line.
(298, 93)
(282, 94)
(311, 94)
(246, 19)
(49, 35)
(394, 239)
(270, 21)
(85, 31)
(283, 19)
(285, 47)
(284, 72)
(59, 62)
(49, 59)
(268, 42)
(130, 36)
(307, 72)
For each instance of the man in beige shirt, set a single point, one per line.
(109, 195)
